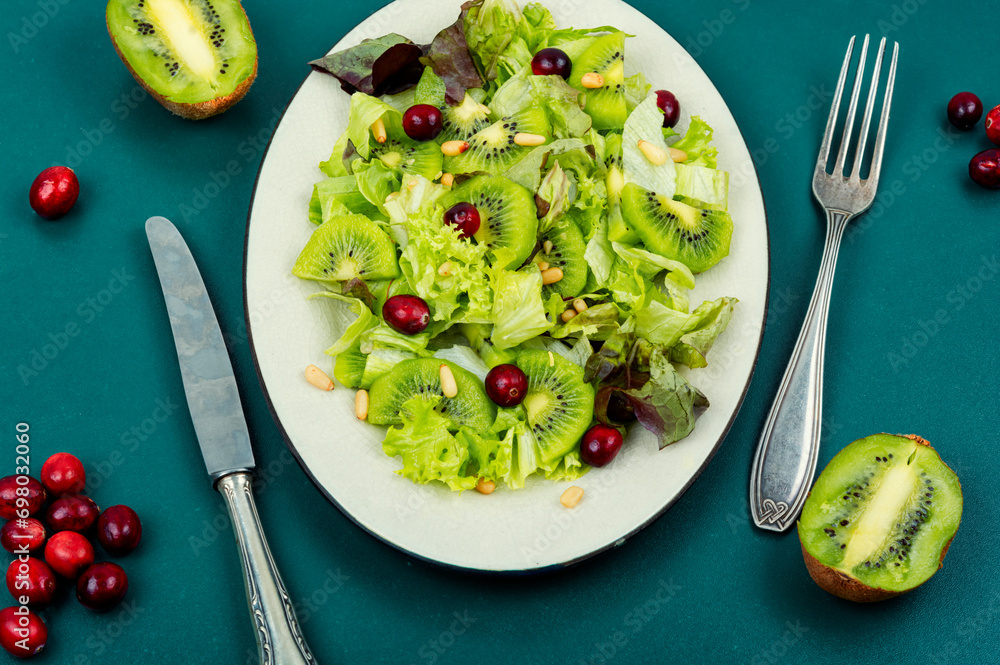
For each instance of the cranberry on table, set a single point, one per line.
(965, 110)
(73, 512)
(54, 192)
(465, 217)
(600, 445)
(63, 474)
(32, 579)
(506, 385)
(119, 530)
(69, 554)
(993, 125)
(667, 102)
(19, 535)
(406, 314)
(551, 61)
(422, 122)
(30, 492)
(102, 586)
(22, 632)
(984, 169)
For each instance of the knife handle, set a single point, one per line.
(279, 640)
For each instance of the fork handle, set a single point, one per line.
(785, 461)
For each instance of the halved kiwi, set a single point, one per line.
(566, 254)
(880, 518)
(507, 213)
(559, 404)
(606, 56)
(196, 57)
(493, 149)
(460, 123)
(402, 153)
(345, 247)
(421, 377)
(698, 238)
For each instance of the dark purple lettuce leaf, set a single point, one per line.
(610, 359)
(448, 55)
(386, 65)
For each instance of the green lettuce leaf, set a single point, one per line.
(365, 320)
(559, 100)
(375, 181)
(489, 26)
(667, 405)
(665, 327)
(427, 449)
(518, 309)
(636, 89)
(382, 336)
(598, 322)
(703, 327)
(489, 458)
(644, 124)
(336, 166)
(649, 264)
(696, 142)
(365, 110)
(338, 196)
(375, 66)
(600, 255)
(527, 171)
(702, 187)
(380, 361)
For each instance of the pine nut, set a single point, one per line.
(391, 196)
(447, 179)
(484, 108)
(523, 138)
(552, 275)
(318, 378)
(445, 269)
(571, 497)
(411, 184)
(568, 315)
(547, 247)
(678, 155)
(592, 80)
(453, 148)
(580, 305)
(543, 265)
(654, 153)
(485, 486)
(378, 131)
(448, 385)
(361, 404)
(552, 360)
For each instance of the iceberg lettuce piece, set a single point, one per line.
(365, 320)
(365, 110)
(338, 196)
(375, 181)
(696, 142)
(703, 327)
(644, 124)
(702, 187)
(559, 100)
(518, 309)
(466, 358)
(380, 361)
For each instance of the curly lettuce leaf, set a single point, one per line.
(426, 448)
(667, 405)
(518, 309)
(696, 142)
(489, 26)
(375, 66)
(703, 327)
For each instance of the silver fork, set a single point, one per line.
(785, 462)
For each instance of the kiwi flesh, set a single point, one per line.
(460, 123)
(405, 155)
(195, 57)
(605, 105)
(493, 149)
(566, 254)
(349, 366)
(618, 230)
(559, 404)
(345, 247)
(421, 377)
(880, 518)
(507, 214)
(699, 238)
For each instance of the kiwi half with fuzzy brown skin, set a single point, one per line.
(880, 518)
(195, 57)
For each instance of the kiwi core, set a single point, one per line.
(536, 403)
(182, 30)
(875, 526)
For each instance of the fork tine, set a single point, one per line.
(824, 148)
(845, 140)
(884, 120)
(866, 121)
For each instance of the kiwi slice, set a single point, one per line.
(345, 247)
(698, 238)
(880, 518)
(421, 377)
(605, 105)
(196, 57)
(460, 123)
(618, 231)
(349, 366)
(566, 254)
(559, 404)
(507, 214)
(403, 154)
(493, 149)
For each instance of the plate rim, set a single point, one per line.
(512, 572)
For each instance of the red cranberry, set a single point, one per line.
(965, 110)
(984, 169)
(671, 108)
(406, 314)
(69, 554)
(73, 512)
(551, 61)
(22, 632)
(119, 530)
(32, 579)
(464, 217)
(54, 192)
(63, 474)
(600, 445)
(422, 122)
(22, 535)
(506, 385)
(16, 497)
(102, 586)
(993, 125)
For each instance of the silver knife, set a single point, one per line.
(217, 413)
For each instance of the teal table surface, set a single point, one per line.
(88, 362)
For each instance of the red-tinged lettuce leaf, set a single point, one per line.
(386, 65)
(448, 55)
(667, 405)
(610, 359)
(356, 288)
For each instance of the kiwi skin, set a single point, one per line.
(844, 586)
(201, 110)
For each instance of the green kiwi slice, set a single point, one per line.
(566, 254)
(421, 377)
(507, 214)
(403, 154)
(605, 105)
(559, 404)
(493, 149)
(460, 123)
(196, 57)
(349, 366)
(618, 230)
(880, 518)
(698, 238)
(345, 247)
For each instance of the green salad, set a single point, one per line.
(552, 223)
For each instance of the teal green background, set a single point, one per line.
(911, 348)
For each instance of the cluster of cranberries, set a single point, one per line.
(72, 520)
(964, 111)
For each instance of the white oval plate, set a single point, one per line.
(527, 530)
